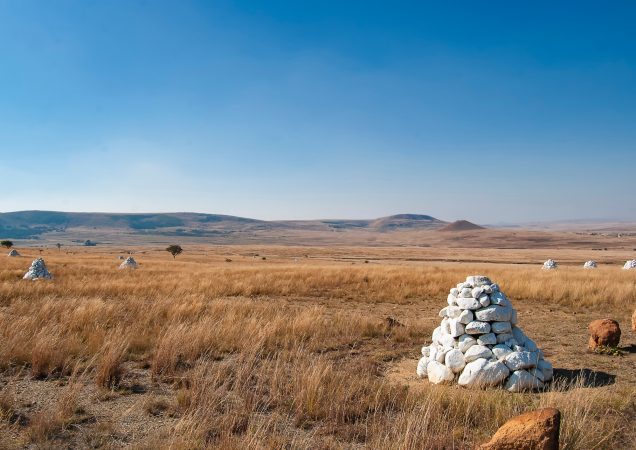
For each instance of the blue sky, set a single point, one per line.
(489, 111)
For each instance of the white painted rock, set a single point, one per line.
(466, 317)
(438, 373)
(501, 351)
(478, 280)
(487, 339)
(468, 303)
(501, 327)
(421, 367)
(494, 313)
(456, 328)
(455, 360)
(466, 341)
(521, 360)
(477, 327)
(477, 352)
(522, 380)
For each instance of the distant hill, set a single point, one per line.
(34, 224)
(461, 225)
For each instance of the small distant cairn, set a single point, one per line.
(129, 263)
(550, 264)
(120, 257)
(478, 343)
(631, 264)
(38, 271)
(591, 264)
(13, 253)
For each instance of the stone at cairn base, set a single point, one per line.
(129, 263)
(550, 264)
(631, 264)
(37, 271)
(478, 343)
(13, 252)
(589, 264)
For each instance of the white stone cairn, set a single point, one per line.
(129, 263)
(38, 271)
(550, 264)
(13, 253)
(478, 343)
(591, 264)
(631, 264)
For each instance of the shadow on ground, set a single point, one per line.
(628, 348)
(588, 378)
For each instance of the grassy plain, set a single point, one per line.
(289, 347)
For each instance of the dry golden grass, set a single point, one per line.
(280, 353)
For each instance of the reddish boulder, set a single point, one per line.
(535, 430)
(605, 332)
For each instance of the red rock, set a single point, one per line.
(605, 332)
(535, 430)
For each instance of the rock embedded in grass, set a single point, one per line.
(481, 346)
(604, 333)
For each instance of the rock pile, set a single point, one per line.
(549, 264)
(37, 271)
(129, 263)
(631, 264)
(478, 343)
(13, 252)
(589, 264)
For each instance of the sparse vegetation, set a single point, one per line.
(244, 355)
(174, 250)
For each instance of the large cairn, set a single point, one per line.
(13, 253)
(631, 264)
(129, 263)
(478, 343)
(589, 264)
(550, 264)
(38, 271)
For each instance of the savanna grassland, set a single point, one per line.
(291, 347)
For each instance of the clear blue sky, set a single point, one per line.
(489, 111)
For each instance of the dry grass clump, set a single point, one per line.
(51, 423)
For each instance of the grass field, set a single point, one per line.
(289, 347)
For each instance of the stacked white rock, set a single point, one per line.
(550, 264)
(591, 264)
(129, 263)
(13, 253)
(631, 264)
(478, 343)
(37, 271)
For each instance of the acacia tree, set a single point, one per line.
(174, 250)
(59, 246)
(7, 244)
